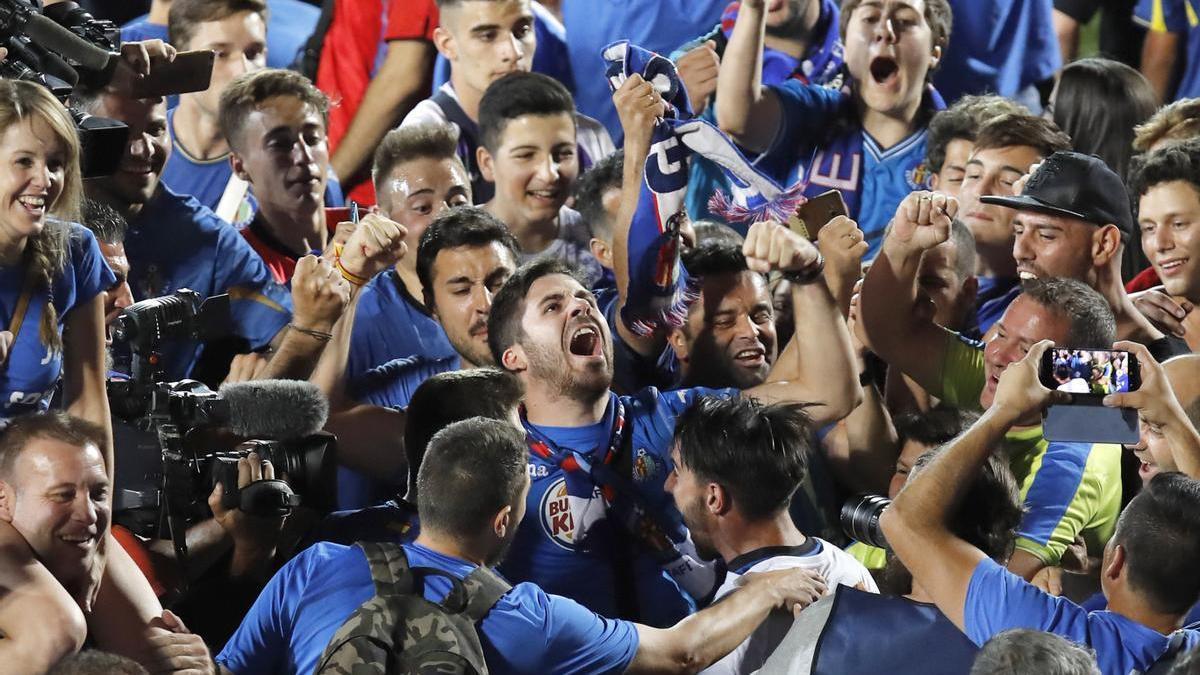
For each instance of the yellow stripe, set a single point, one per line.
(1193, 20)
(239, 293)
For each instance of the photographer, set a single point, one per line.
(1149, 569)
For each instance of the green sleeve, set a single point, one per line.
(962, 373)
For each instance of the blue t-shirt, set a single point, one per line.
(994, 296)
(550, 58)
(528, 630)
(289, 25)
(998, 47)
(998, 600)
(821, 144)
(29, 376)
(175, 243)
(657, 25)
(205, 179)
(633, 372)
(546, 550)
(394, 347)
(1181, 17)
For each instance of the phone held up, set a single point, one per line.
(813, 214)
(1089, 375)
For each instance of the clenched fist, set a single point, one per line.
(376, 244)
(773, 247)
(922, 221)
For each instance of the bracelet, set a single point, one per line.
(348, 275)
(318, 334)
(808, 275)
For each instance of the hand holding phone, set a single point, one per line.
(813, 214)
(188, 72)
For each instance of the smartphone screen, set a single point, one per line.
(1090, 371)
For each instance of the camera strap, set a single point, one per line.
(22, 307)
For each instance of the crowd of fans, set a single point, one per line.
(619, 310)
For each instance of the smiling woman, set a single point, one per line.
(52, 274)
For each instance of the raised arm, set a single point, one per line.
(745, 110)
(1159, 409)
(319, 296)
(1160, 53)
(705, 637)
(818, 365)
(917, 523)
(639, 106)
(83, 370)
(891, 324)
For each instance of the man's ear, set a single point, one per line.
(1116, 563)
(1106, 244)
(444, 42)
(502, 522)
(602, 250)
(935, 57)
(484, 159)
(717, 499)
(239, 167)
(514, 359)
(934, 181)
(679, 344)
(8, 501)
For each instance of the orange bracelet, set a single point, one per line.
(350, 276)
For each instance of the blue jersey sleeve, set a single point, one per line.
(806, 112)
(569, 637)
(998, 600)
(261, 642)
(260, 307)
(1163, 16)
(92, 276)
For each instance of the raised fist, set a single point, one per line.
(772, 247)
(923, 221)
(376, 244)
(698, 69)
(319, 294)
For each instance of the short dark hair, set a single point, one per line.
(1099, 104)
(938, 15)
(415, 141)
(246, 92)
(472, 469)
(460, 226)
(935, 426)
(1013, 129)
(92, 662)
(185, 14)
(962, 121)
(1092, 323)
(1178, 161)
(990, 512)
(504, 319)
(714, 231)
(517, 95)
(1020, 650)
(452, 397)
(52, 425)
(714, 257)
(1160, 530)
(589, 193)
(757, 452)
(104, 222)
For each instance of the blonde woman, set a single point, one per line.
(52, 274)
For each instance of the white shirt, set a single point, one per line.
(834, 564)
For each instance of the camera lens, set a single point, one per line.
(860, 519)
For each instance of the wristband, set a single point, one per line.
(318, 334)
(808, 275)
(348, 275)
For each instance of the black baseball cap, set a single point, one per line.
(1077, 186)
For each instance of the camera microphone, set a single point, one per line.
(49, 35)
(278, 409)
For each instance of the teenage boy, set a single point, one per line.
(869, 143)
(952, 134)
(1166, 185)
(236, 32)
(275, 122)
(527, 129)
(484, 40)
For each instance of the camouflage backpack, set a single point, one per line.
(399, 632)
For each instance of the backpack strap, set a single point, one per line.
(389, 568)
(309, 57)
(484, 590)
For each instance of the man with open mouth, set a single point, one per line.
(867, 141)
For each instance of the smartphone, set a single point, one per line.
(189, 72)
(1089, 375)
(812, 215)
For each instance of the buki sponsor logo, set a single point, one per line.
(557, 519)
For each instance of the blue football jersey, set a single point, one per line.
(175, 242)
